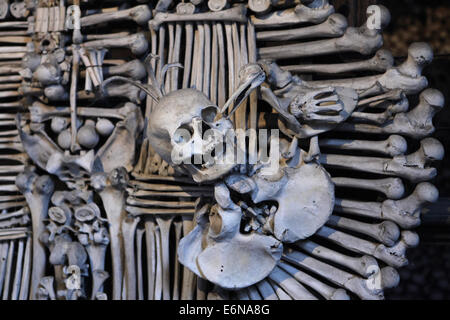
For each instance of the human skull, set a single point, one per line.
(175, 133)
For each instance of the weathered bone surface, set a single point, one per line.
(135, 128)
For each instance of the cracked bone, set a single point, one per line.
(417, 123)
(413, 167)
(334, 26)
(323, 289)
(392, 188)
(137, 43)
(353, 283)
(236, 14)
(405, 212)
(315, 12)
(140, 14)
(394, 145)
(37, 191)
(393, 256)
(386, 232)
(363, 40)
(290, 285)
(129, 225)
(111, 189)
(360, 265)
(406, 76)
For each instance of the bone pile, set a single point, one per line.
(93, 98)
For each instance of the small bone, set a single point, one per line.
(392, 188)
(236, 14)
(37, 191)
(290, 285)
(334, 26)
(315, 12)
(385, 232)
(326, 291)
(139, 14)
(393, 146)
(417, 123)
(363, 40)
(137, 43)
(351, 282)
(412, 167)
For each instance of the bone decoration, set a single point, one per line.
(157, 150)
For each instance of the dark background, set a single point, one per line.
(428, 274)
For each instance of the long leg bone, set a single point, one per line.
(412, 167)
(112, 193)
(392, 188)
(151, 260)
(164, 227)
(334, 26)
(353, 283)
(137, 43)
(404, 212)
(140, 14)
(37, 191)
(140, 279)
(26, 271)
(417, 123)
(326, 291)
(316, 12)
(385, 232)
(393, 146)
(236, 13)
(290, 285)
(364, 40)
(129, 225)
(361, 265)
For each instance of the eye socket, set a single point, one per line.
(209, 113)
(183, 134)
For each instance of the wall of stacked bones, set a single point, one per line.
(59, 224)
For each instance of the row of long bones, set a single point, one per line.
(141, 218)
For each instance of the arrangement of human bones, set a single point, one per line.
(104, 110)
